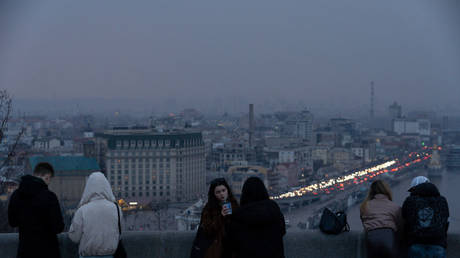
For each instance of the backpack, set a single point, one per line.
(333, 223)
(429, 221)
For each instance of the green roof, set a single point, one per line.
(66, 163)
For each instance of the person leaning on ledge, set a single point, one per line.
(36, 212)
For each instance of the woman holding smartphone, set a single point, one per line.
(216, 213)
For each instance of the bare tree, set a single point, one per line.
(6, 108)
(7, 151)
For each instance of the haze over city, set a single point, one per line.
(102, 56)
(229, 127)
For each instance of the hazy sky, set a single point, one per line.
(224, 54)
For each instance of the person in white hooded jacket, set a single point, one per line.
(95, 224)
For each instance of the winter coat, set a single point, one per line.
(428, 226)
(95, 223)
(209, 242)
(256, 230)
(382, 213)
(201, 243)
(36, 211)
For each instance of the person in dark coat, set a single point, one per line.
(208, 242)
(426, 213)
(258, 227)
(36, 212)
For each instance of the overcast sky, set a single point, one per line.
(220, 55)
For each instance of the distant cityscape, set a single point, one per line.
(161, 166)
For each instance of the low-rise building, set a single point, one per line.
(70, 175)
(405, 126)
(237, 175)
(47, 144)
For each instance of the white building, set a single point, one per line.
(404, 126)
(47, 144)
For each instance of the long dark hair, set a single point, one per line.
(211, 218)
(253, 191)
(377, 187)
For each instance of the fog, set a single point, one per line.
(155, 56)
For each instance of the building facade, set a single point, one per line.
(395, 111)
(300, 125)
(405, 126)
(145, 166)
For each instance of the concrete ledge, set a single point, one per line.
(178, 244)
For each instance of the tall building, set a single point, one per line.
(251, 124)
(453, 158)
(145, 166)
(371, 112)
(445, 122)
(300, 125)
(395, 110)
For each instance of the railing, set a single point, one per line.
(177, 244)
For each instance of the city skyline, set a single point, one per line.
(173, 105)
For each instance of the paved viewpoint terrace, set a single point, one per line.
(309, 244)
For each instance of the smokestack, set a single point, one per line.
(251, 124)
(371, 115)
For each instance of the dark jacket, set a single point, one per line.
(36, 211)
(256, 230)
(205, 238)
(201, 243)
(426, 215)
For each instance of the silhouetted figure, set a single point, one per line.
(426, 214)
(258, 227)
(36, 211)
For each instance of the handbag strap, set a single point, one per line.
(118, 212)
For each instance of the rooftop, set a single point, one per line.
(66, 163)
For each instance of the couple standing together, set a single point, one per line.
(421, 224)
(35, 210)
(254, 228)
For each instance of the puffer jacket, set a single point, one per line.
(95, 224)
(382, 213)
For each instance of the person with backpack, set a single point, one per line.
(217, 212)
(36, 211)
(382, 221)
(258, 227)
(426, 213)
(95, 225)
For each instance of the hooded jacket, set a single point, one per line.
(95, 224)
(257, 228)
(36, 211)
(438, 214)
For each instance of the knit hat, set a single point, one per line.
(418, 180)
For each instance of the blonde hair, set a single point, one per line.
(377, 187)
